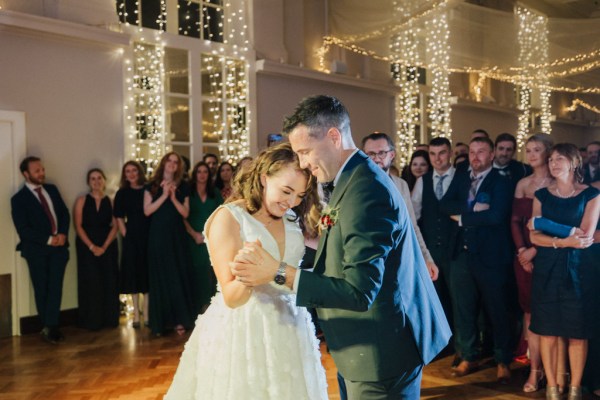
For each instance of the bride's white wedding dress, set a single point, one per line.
(265, 349)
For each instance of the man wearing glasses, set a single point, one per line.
(380, 148)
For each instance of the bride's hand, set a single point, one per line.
(248, 256)
(254, 266)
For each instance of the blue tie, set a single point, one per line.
(439, 187)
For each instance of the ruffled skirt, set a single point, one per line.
(265, 349)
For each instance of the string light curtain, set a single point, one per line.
(483, 41)
(146, 98)
(404, 47)
(533, 50)
(438, 110)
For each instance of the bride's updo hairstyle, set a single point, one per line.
(247, 185)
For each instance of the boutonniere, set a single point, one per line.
(329, 217)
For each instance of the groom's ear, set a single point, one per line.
(335, 136)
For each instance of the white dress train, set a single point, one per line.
(263, 350)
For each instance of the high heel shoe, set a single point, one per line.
(533, 387)
(575, 393)
(552, 393)
(566, 380)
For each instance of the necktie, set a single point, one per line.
(46, 209)
(473, 190)
(439, 187)
(327, 190)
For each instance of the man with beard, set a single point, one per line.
(591, 171)
(480, 201)
(504, 151)
(41, 219)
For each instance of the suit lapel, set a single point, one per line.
(336, 196)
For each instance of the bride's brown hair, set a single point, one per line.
(247, 185)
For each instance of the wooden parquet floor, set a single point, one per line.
(127, 364)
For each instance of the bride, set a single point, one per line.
(255, 343)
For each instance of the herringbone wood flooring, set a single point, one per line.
(128, 364)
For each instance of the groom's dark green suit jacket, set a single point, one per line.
(376, 303)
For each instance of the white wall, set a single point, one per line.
(72, 94)
(277, 96)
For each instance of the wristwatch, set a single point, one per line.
(280, 275)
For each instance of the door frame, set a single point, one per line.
(19, 271)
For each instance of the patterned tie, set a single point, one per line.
(473, 190)
(439, 187)
(327, 190)
(46, 208)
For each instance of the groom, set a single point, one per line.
(376, 304)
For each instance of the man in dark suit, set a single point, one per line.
(480, 271)
(41, 219)
(436, 226)
(377, 306)
(504, 151)
(591, 170)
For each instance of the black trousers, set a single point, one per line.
(47, 273)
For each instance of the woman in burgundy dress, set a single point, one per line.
(537, 150)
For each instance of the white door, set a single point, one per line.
(12, 151)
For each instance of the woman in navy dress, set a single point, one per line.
(560, 297)
(133, 226)
(166, 199)
(97, 256)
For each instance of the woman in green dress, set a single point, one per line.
(166, 200)
(204, 199)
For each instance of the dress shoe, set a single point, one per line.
(457, 360)
(552, 393)
(47, 336)
(538, 376)
(503, 375)
(464, 368)
(57, 334)
(575, 393)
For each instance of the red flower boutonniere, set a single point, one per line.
(329, 217)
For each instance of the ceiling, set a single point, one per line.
(551, 8)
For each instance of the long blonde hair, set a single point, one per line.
(247, 185)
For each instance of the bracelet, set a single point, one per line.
(554, 242)
(92, 247)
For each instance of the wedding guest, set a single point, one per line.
(133, 226)
(505, 147)
(97, 256)
(480, 202)
(591, 172)
(204, 199)
(418, 166)
(537, 150)
(460, 159)
(560, 297)
(224, 179)
(166, 200)
(461, 148)
(380, 148)
(213, 163)
(41, 219)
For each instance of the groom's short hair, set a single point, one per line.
(319, 114)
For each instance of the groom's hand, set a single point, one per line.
(253, 266)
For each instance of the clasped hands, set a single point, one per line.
(253, 265)
(169, 189)
(58, 240)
